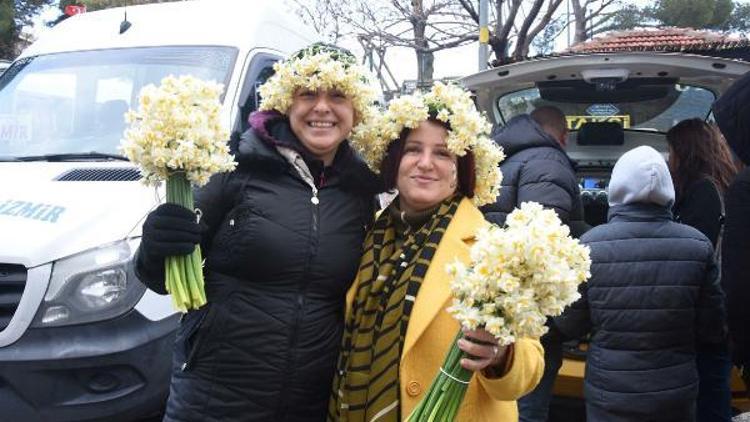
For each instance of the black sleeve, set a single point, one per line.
(549, 183)
(711, 311)
(150, 271)
(575, 321)
(215, 200)
(213, 205)
(735, 263)
(701, 209)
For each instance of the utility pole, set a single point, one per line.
(484, 34)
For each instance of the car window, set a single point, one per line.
(259, 70)
(655, 107)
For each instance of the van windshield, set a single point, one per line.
(74, 102)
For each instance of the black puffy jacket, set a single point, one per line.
(700, 207)
(278, 265)
(653, 295)
(732, 113)
(735, 264)
(536, 169)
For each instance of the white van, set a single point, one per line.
(80, 337)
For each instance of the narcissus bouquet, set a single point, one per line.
(176, 136)
(518, 275)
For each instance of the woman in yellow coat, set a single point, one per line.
(434, 151)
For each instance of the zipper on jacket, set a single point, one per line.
(300, 302)
(304, 173)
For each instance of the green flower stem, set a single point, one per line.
(184, 274)
(199, 295)
(443, 399)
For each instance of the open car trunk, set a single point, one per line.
(613, 102)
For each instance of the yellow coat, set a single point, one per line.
(431, 331)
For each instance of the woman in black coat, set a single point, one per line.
(702, 168)
(282, 237)
(732, 112)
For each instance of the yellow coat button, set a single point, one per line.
(413, 388)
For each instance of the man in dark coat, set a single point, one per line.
(653, 295)
(732, 113)
(537, 169)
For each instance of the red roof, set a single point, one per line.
(663, 39)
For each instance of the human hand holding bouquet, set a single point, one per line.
(518, 275)
(176, 135)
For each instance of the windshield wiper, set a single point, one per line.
(74, 156)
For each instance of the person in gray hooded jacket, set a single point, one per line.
(653, 295)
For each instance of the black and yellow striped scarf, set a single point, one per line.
(366, 385)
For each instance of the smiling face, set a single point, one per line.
(321, 120)
(427, 171)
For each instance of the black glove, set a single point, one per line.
(170, 230)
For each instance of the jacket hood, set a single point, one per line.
(641, 176)
(523, 132)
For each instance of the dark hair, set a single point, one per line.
(699, 151)
(465, 168)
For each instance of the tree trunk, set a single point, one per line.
(425, 62)
(425, 59)
(499, 47)
(579, 12)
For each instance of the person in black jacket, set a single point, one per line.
(282, 237)
(732, 113)
(653, 295)
(537, 169)
(702, 167)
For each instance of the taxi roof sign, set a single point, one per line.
(575, 122)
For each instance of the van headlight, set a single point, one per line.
(94, 285)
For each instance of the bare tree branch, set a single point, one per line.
(543, 22)
(322, 16)
(455, 43)
(469, 7)
(524, 31)
(595, 13)
(509, 22)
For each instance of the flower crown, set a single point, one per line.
(468, 131)
(319, 66)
